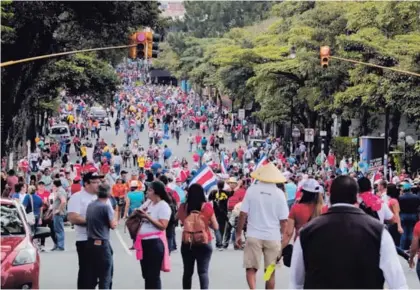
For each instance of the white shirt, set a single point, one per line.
(117, 160)
(78, 203)
(388, 263)
(266, 206)
(158, 211)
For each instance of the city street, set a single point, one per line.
(59, 269)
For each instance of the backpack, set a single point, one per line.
(368, 210)
(196, 229)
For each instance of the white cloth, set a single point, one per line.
(158, 211)
(78, 203)
(388, 263)
(266, 206)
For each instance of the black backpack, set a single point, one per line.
(368, 210)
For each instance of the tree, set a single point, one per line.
(48, 27)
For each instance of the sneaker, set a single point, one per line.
(41, 248)
(221, 249)
(60, 249)
(54, 249)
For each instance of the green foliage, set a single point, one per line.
(214, 18)
(44, 27)
(253, 62)
(343, 146)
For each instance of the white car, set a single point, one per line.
(58, 131)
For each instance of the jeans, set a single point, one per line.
(34, 167)
(191, 147)
(84, 277)
(151, 264)
(227, 233)
(101, 264)
(117, 168)
(408, 220)
(201, 253)
(170, 236)
(218, 236)
(418, 269)
(58, 221)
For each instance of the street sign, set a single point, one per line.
(241, 114)
(323, 133)
(309, 135)
(296, 132)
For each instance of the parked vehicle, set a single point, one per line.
(58, 131)
(98, 113)
(20, 262)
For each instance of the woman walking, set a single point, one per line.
(151, 244)
(197, 251)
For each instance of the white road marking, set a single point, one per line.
(123, 243)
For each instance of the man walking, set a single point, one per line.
(345, 248)
(77, 207)
(99, 219)
(266, 209)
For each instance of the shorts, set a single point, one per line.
(255, 248)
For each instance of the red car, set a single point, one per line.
(20, 261)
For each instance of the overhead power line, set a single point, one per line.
(12, 62)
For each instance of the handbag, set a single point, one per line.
(133, 223)
(287, 255)
(31, 216)
(48, 216)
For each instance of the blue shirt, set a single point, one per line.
(291, 189)
(167, 153)
(37, 204)
(155, 167)
(136, 199)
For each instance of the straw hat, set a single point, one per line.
(268, 173)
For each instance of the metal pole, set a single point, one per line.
(291, 125)
(386, 147)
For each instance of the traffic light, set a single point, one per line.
(153, 44)
(141, 45)
(132, 53)
(325, 55)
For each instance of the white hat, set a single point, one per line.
(134, 183)
(311, 185)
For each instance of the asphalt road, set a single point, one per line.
(59, 269)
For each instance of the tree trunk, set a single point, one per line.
(395, 124)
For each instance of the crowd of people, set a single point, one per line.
(326, 221)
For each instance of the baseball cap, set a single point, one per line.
(134, 183)
(91, 176)
(77, 178)
(311, 185)
(406, 186)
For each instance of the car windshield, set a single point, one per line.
(59, 130)
(99, 113)
(11, 222)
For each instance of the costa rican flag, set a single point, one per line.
(205, 177)
(223, 164)
(263, 161)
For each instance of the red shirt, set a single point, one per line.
(78, 169)
(105, 168)
(174, 194)
(44, 195)
(416, 232)
(240, 153)
(237, 197)
(300, 213)
(207, 212)
(197, 139)
(75, 187)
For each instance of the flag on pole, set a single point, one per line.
(263, 161)
(223, 164)
(205, 177)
